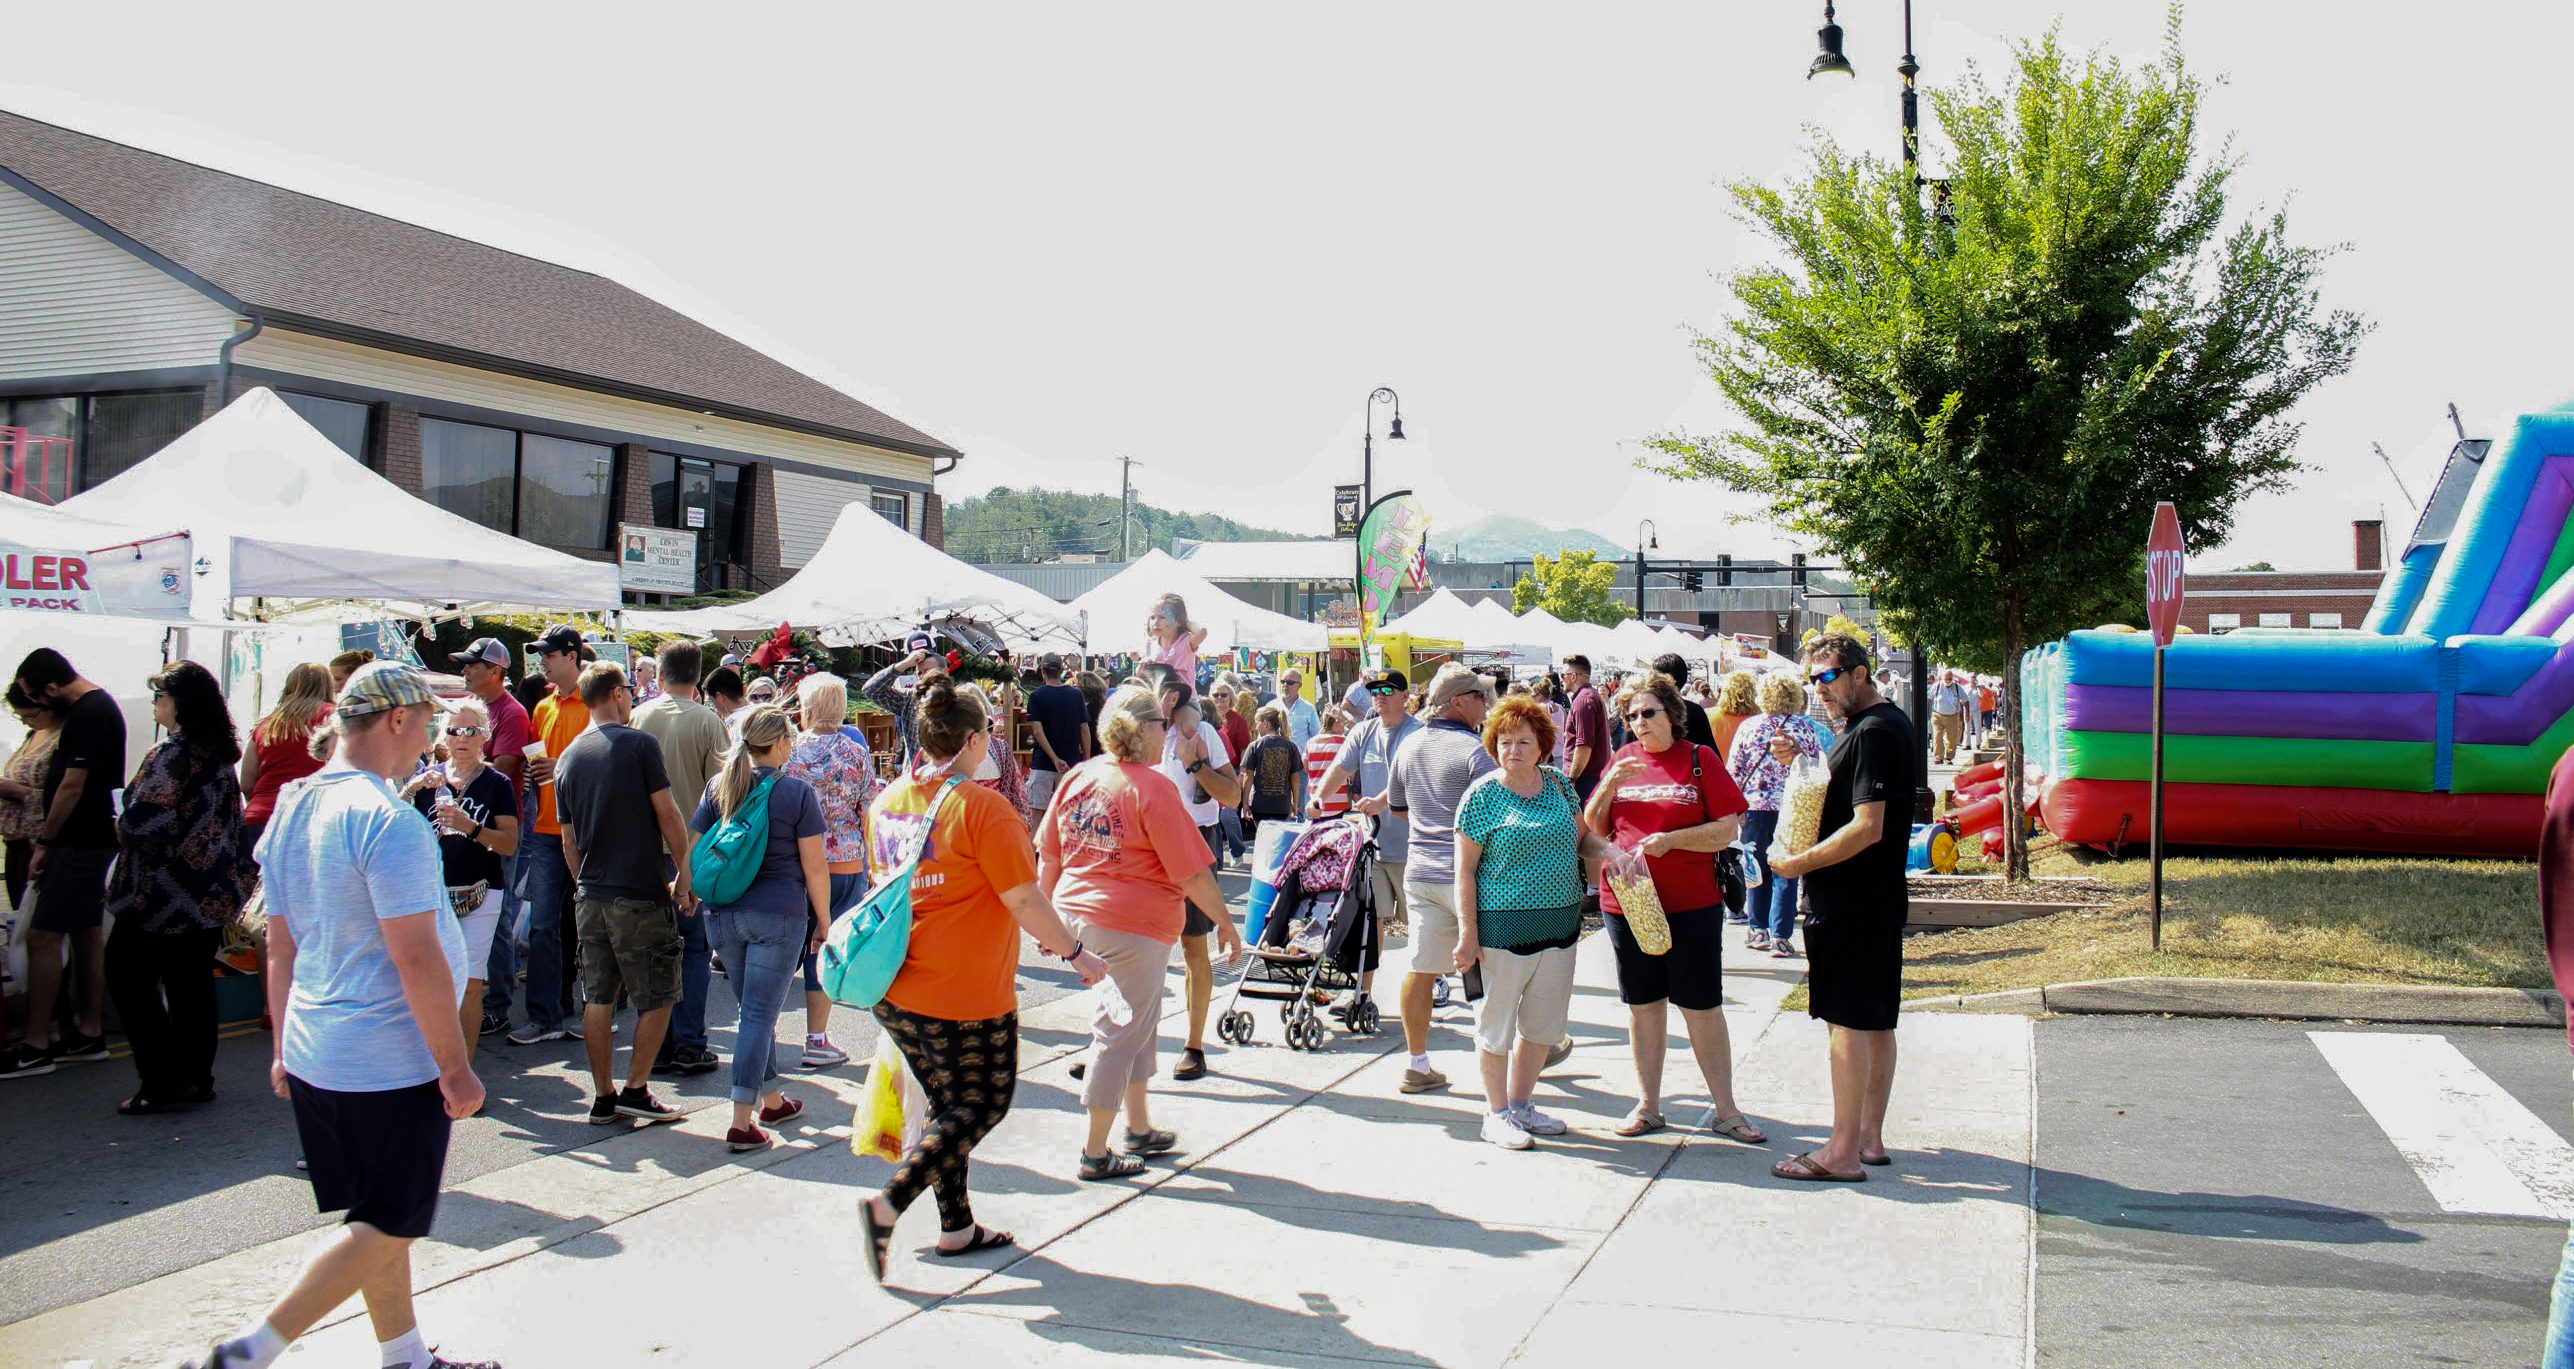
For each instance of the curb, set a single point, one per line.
(2427, 1004)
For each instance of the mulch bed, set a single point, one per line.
(1993, 890)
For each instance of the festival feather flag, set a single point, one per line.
(1391, 538)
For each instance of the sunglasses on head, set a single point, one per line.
(1827, 676)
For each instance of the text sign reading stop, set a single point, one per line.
(2163, 574)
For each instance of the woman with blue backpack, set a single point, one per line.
(758, 866)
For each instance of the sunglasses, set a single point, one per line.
(1827, 676)
(1642, 715)
(1382, 690)
(464, 732)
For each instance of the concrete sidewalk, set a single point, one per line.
(1314, 1216)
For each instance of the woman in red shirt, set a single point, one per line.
(1674, 802)
(1120, 857)
(281, 746)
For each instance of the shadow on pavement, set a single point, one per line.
(1202, 1323)
(1315, 1209)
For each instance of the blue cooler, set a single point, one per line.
(1269, 851)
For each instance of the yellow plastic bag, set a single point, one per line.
(877, 1129)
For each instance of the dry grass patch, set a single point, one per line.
(2253, 915)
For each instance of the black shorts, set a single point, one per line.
(1691, 975)
(1199, 923)
(380, 1156)
(71, 895)
(1855, 968)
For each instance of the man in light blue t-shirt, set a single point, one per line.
(366, 971)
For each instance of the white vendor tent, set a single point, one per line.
(280, 512)
(1444, 617)
(873, 582)
(1118, 606)
(57, 564)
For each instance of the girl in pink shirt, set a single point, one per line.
(1171, 640)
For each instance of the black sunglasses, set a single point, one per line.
(1644, 715)
(1827, 676)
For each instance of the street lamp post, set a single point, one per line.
(1647, 538)
(1382, 394)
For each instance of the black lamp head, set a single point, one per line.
(1395, 433)
(1829, 62)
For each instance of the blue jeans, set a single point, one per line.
(846, 890)
(500, 971)
(696, 975)
(1774, 901)
(2560, 1312)
(545, 891)
(761, 951)
(1229, 827)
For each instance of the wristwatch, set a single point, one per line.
(1197, 765)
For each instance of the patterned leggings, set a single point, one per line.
(969, 1070)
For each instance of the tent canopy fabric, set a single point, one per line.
(279, 511)
(873, 582)
(1445, 617)
(1118, 606)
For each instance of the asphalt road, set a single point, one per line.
(91, 1202)
(2215, 1193)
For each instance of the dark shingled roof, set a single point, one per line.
(310, 264)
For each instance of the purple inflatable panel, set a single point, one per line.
(2542, 520)
(2256, 713)
(2520, 717)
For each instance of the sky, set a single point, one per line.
(1200, 235)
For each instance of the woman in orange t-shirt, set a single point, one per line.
(1119, 855)
(953, 1009)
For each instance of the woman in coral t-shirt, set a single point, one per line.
(1119, 855)
(280, 750)
(953, 1009)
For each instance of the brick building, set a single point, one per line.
(139, 293)
(2221, 601)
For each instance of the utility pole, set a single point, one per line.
(1125, 504)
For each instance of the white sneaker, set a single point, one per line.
(1503, 1129)
(823, 1056)
(1535, 1123)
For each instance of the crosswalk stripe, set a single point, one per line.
(2472, 1144)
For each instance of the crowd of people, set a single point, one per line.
(417, 869)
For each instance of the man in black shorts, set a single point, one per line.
(74, 847)
(1855, 904)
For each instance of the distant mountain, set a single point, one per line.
(1501, 537)
(1007, 524)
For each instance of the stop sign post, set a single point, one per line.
(2163, 580)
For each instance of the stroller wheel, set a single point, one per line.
(1365, 1018)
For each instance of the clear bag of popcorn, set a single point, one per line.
(1632, 882)
(1801, 806)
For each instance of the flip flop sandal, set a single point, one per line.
(985, 1238)
(1876, 1159)
(1739, 1127)
(1640, 1123)
(880, 1238)
(1097, 1167)
(1807, 1169)
(1150, 1142)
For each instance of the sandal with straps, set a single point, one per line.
(880, 1238)
(1640, 1123)
(1110, 1167)
(1738, 1127)
(985, 1238)
(1151, 1142)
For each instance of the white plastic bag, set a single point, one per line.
(1801, 806)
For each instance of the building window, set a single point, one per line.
(344, 422)
(896, 508)
(2323, 620)
(693, 492)
(2224, 622)
(471, 471)
(2278, 620)
(549, 490)
(102, 437)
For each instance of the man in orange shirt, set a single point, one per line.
(544, 881)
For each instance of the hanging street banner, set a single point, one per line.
(1390, 541)
(1346, 502)
(144, 579)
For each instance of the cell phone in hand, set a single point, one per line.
(1474, 978)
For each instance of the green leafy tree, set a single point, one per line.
(1977, 408)
(1576, 586)
(1008, 524)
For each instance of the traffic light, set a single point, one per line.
(1693, 581)
(1796, 572)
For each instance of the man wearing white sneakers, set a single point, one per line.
(1430, 776)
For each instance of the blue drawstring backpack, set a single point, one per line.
(867, 944)
(725, 862)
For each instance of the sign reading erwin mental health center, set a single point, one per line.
(148, 579)
(657, 560)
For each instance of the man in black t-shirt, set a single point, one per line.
(1855, 904)
(75, 843)
(1695, 726)
(612, 796)
(1061, 734)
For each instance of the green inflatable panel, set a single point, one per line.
(2405, 766)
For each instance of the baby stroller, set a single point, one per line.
(1320, 937)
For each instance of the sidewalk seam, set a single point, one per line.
(1670, 1153)
(2029, 1302)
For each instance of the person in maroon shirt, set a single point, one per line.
(2556, 924)
(1587, 747)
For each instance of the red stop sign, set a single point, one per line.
(2163, 573)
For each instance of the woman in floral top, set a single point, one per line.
(1759, 759)
(179, 878)
(833, 758)
(22, 787)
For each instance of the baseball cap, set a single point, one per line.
(1454, 679)
(560, 637)
(765, 687)
(485, 649)
(381, 685)
(1386, 681)
(919, 641)
(733, 659)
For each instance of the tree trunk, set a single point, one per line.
(2015, 836)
